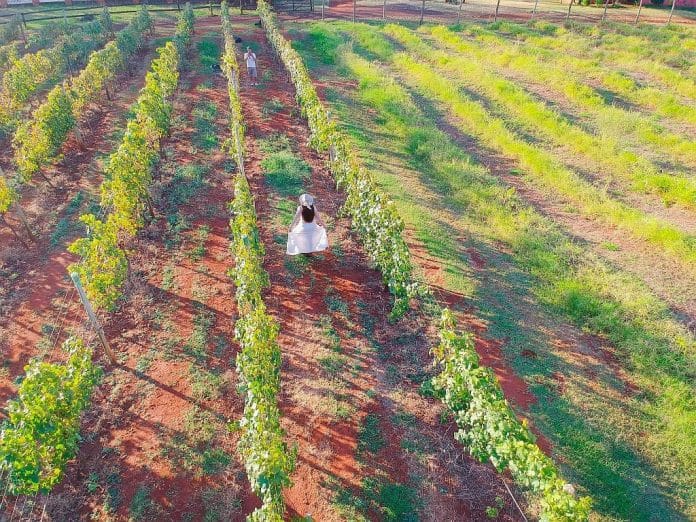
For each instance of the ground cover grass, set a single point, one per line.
(605, 117)
(603, 154)
(664, 54)
(442, 193)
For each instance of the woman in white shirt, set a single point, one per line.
(307, 233)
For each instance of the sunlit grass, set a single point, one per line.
(439, 190)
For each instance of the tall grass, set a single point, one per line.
(664, 54)
(607, 153)
(658, 99)
(608, 119)
(541, 167)
(659, 352)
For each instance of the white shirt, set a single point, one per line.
(250, 58)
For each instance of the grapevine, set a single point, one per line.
(38, 141)
(489, 428)
(266, 457)
(11, 30)
(374, 216)
(125, 191)
(42, 429)
(29, 73)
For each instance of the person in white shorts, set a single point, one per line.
(250, 58)
(307, 233)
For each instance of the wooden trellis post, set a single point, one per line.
(640, 6)
(92, 316)
(671, 12)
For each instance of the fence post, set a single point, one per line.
(354, 2)
(420, 22)
(497, 6)
(322, 8)
(671, 12)
(384, 10)
(570, 4)
(604, 14)
(92, 316)
(640, 6)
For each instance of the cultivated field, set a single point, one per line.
(519, 197)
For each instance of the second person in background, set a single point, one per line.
(250, 58)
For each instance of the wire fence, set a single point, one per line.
(440, 11)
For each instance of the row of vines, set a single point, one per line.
(42, 430)
(125, 191)
(266, 457)
(374, 217)
(488, 426)
(38, 141)
(26, 75)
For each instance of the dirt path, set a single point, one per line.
(159, 443)
(368, 440)
(36, 290)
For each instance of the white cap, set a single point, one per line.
(306, 200)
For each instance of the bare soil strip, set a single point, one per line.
(351, 399)
(160, 440)
(35, 285)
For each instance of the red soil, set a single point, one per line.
(329, 448)
(41, 286)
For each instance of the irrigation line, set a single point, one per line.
(515, 501)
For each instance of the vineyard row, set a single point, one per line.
(43, 428)
(488, 426)
(266, 457)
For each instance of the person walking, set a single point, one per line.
(307, 232)
(250, 58)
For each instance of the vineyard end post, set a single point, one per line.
(92, 316)
(640, 6)
(671, 12)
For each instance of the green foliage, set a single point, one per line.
(38, 141)
(42, 429)
(10, 30)
(184, 30)
(125, 191)
(489, 428)
(104, 267)
(231, 70)
(267, 460)
(9, 54)
(34, 70)
(374, 216)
